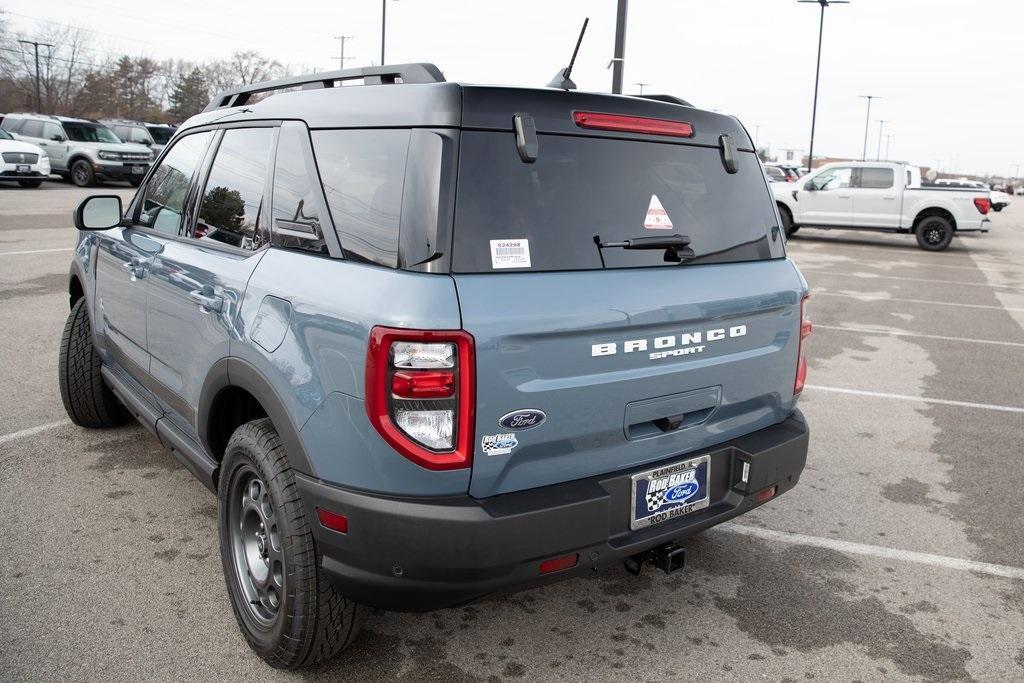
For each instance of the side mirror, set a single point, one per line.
(99, 212)
(57, 138)
(810, 186)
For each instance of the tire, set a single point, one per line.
(82, 174)
(997, 208)
(288, 613)
(30, 183)
(787, 221)
(934, 233)
(88, 400)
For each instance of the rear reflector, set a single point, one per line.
(632, 124)
(558, 564)
(766, 494)
(983, 204)
(332, 520)
(801, 355)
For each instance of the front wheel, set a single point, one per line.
(934, 233)
(289, 614)
(82, 174)
(88, 400)
(787, 221)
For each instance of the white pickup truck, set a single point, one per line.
(881, 196)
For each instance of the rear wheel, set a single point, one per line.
(289, 614)
(82, 174)
(30, 183)
(934, 233)
(87, 399)
(787, 221)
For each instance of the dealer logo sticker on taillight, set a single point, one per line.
(519, 420)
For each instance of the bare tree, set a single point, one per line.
(252, 67)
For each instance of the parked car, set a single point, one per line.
(776, 174)
(26, 164)
(161, 133)
(882, 196)
(83, 151)
(789, 173)
(410, 393)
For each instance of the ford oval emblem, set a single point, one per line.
(522, 419)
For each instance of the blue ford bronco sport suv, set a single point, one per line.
(430, 342)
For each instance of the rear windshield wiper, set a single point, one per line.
(676, 247)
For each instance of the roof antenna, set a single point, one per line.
(561, 79)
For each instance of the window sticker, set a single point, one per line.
(657, 217)
(510, 253)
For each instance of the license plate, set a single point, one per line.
(670, 492)
(23, 168)
(138, 170)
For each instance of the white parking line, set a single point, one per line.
(872, 276)
(871, 298)
(852, 548)
(900, 264)
(888, 333)
(915, 399)
(34, 251)
(31, 431)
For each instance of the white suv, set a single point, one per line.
(22, 162)
(83, 151)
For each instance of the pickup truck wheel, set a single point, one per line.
(290, 615)
(787, 221)
(934, 233)
(88, 400)
(82, 174)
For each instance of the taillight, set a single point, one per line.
(983, 204)
(801, 363)
(420, 394)
(632, 124)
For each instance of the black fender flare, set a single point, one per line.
(235, 372)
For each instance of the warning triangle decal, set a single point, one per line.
(657, 218)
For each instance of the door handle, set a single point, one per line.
(44, 144)
(889, 196)
(844, 196)
(136, 267)
(208, 302)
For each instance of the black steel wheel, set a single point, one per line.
(934, 233)
(290, 615)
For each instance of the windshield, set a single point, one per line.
(582, 187)
(4, 135)
(140, 135)
(161, 134)
(89, 132)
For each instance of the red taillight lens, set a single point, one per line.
(632, 124)
(423, 383)
(420, 394)
(801, 363)
(332, 520)
(983, 204)
(558, 564)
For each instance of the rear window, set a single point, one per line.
(582, 187)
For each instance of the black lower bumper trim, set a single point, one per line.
(421, 554)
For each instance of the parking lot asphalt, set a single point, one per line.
(899, 556)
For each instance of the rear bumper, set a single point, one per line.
(422, 554)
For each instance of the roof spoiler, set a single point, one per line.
(671, 99)
(370, 75)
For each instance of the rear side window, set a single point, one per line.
(876, 178)
(32, 129)
(296, 203)
(363, 176)
(163, 204)
(232, 201)
(582, 187)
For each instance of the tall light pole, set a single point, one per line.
(383, 26)
(641, 85)
(888, 139)
(39, 97)
(817, 72)
(619, 57)
(878, 152)
(867, 121)
(341, 57)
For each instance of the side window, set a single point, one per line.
(233, 198)
(11, 125)
(363, 175)
(121, 132)
(876, 178)
(834, 179)
(163, 204)
(51, 131)
(296, 213)
(32, 129)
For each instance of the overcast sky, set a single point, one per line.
(950, 74)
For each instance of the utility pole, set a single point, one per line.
(878, 152)
(619, 58)
(867, 121)
(638, 83)
(817, 73)
(39, 96)
(341, 58)
(888, 139)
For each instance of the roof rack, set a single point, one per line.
(371, 75)
(671, 99)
